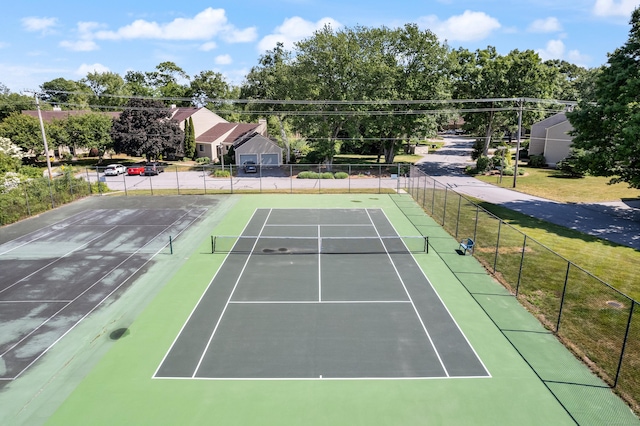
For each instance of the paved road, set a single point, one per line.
(614, 221)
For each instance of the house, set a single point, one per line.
(214, 135)
(220, 138)
(259, 149)
(550, 138)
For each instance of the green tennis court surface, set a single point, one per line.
(304, 312)
(291, 330)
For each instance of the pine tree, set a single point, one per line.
(189, 139)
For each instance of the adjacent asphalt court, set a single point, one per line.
(320, 294)
(55, 276)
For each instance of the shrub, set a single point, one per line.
(308, 175)
(326, 175)
(572, 165)
(341, 175)
(537, 161)
(482, 164)
(203, 160)
(221, 173)
(478, 148)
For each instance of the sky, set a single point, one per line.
(44, 40)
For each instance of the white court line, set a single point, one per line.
(230, 296)
(197, 304)
(315, 302)
(97, 304)
(34, 301)
(409, 296)
(280, 379)
(57, 259)
(319, 265)
(43, 235)
(443, 304)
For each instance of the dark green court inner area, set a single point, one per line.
(281, 307)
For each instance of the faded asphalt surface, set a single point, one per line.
(618, 222)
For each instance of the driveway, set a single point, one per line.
(618, 222)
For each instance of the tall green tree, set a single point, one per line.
(271, 79)
(189, 139)
(145, 129)
(485, 74)
(66, 94)
(607, 125)
(92, 130)
(170, 81)
(24, 131)
(13, 102)
(109, 89)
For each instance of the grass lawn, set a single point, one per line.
(550, 184)
(373, 159)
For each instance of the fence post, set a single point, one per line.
(398, 182)
(379, 178)
(70, 184)
(86, 169)
(151, 184)
(564, 291)
(624, 343)
(444, 210)
(98, 180)
(124, 183)
(349, 183)
(524, 247)
(291, 177)
(475, 228)
(495, 259)
(53, 203)
(204, 180)
(26, 198)
(433, 198)
(231, 176)
(458, 218)
(177, 179)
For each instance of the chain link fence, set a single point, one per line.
(597, 322)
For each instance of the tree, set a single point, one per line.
(66, 94)
(189, 139)
(145, 129)
(168, 81)
(109, 89)
(208, 85)
(272, 80)
(607, 125)
(486, 74)
(137, 84)
(13, 102)
(367, 64)
(92, 130)
(24, 131)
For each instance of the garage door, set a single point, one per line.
(269, 159)
(248, 157)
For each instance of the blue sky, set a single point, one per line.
(43, 40)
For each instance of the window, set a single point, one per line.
(201, 147)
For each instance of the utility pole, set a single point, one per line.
(515, 167)
(44, 137)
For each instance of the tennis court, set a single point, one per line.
(54, 277)
(316, 310)
(318, 294)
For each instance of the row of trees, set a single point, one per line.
(366, 90)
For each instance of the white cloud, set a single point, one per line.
(615, 8)
(470, 26)
(293, 30)
(223, 60)
(79, 45)
(204, 26)
(240, 36)
(553, 50)
(3, 44)
(35, 24)
(210, 45)
(85, 69)
(548, 25)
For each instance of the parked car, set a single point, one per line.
(151, 169)
(135, 170)
(250, 167)
(114, 170)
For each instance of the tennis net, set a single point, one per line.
(318, 245)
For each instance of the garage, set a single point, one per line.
(258, 149)
(248, 157)
(269, 159)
